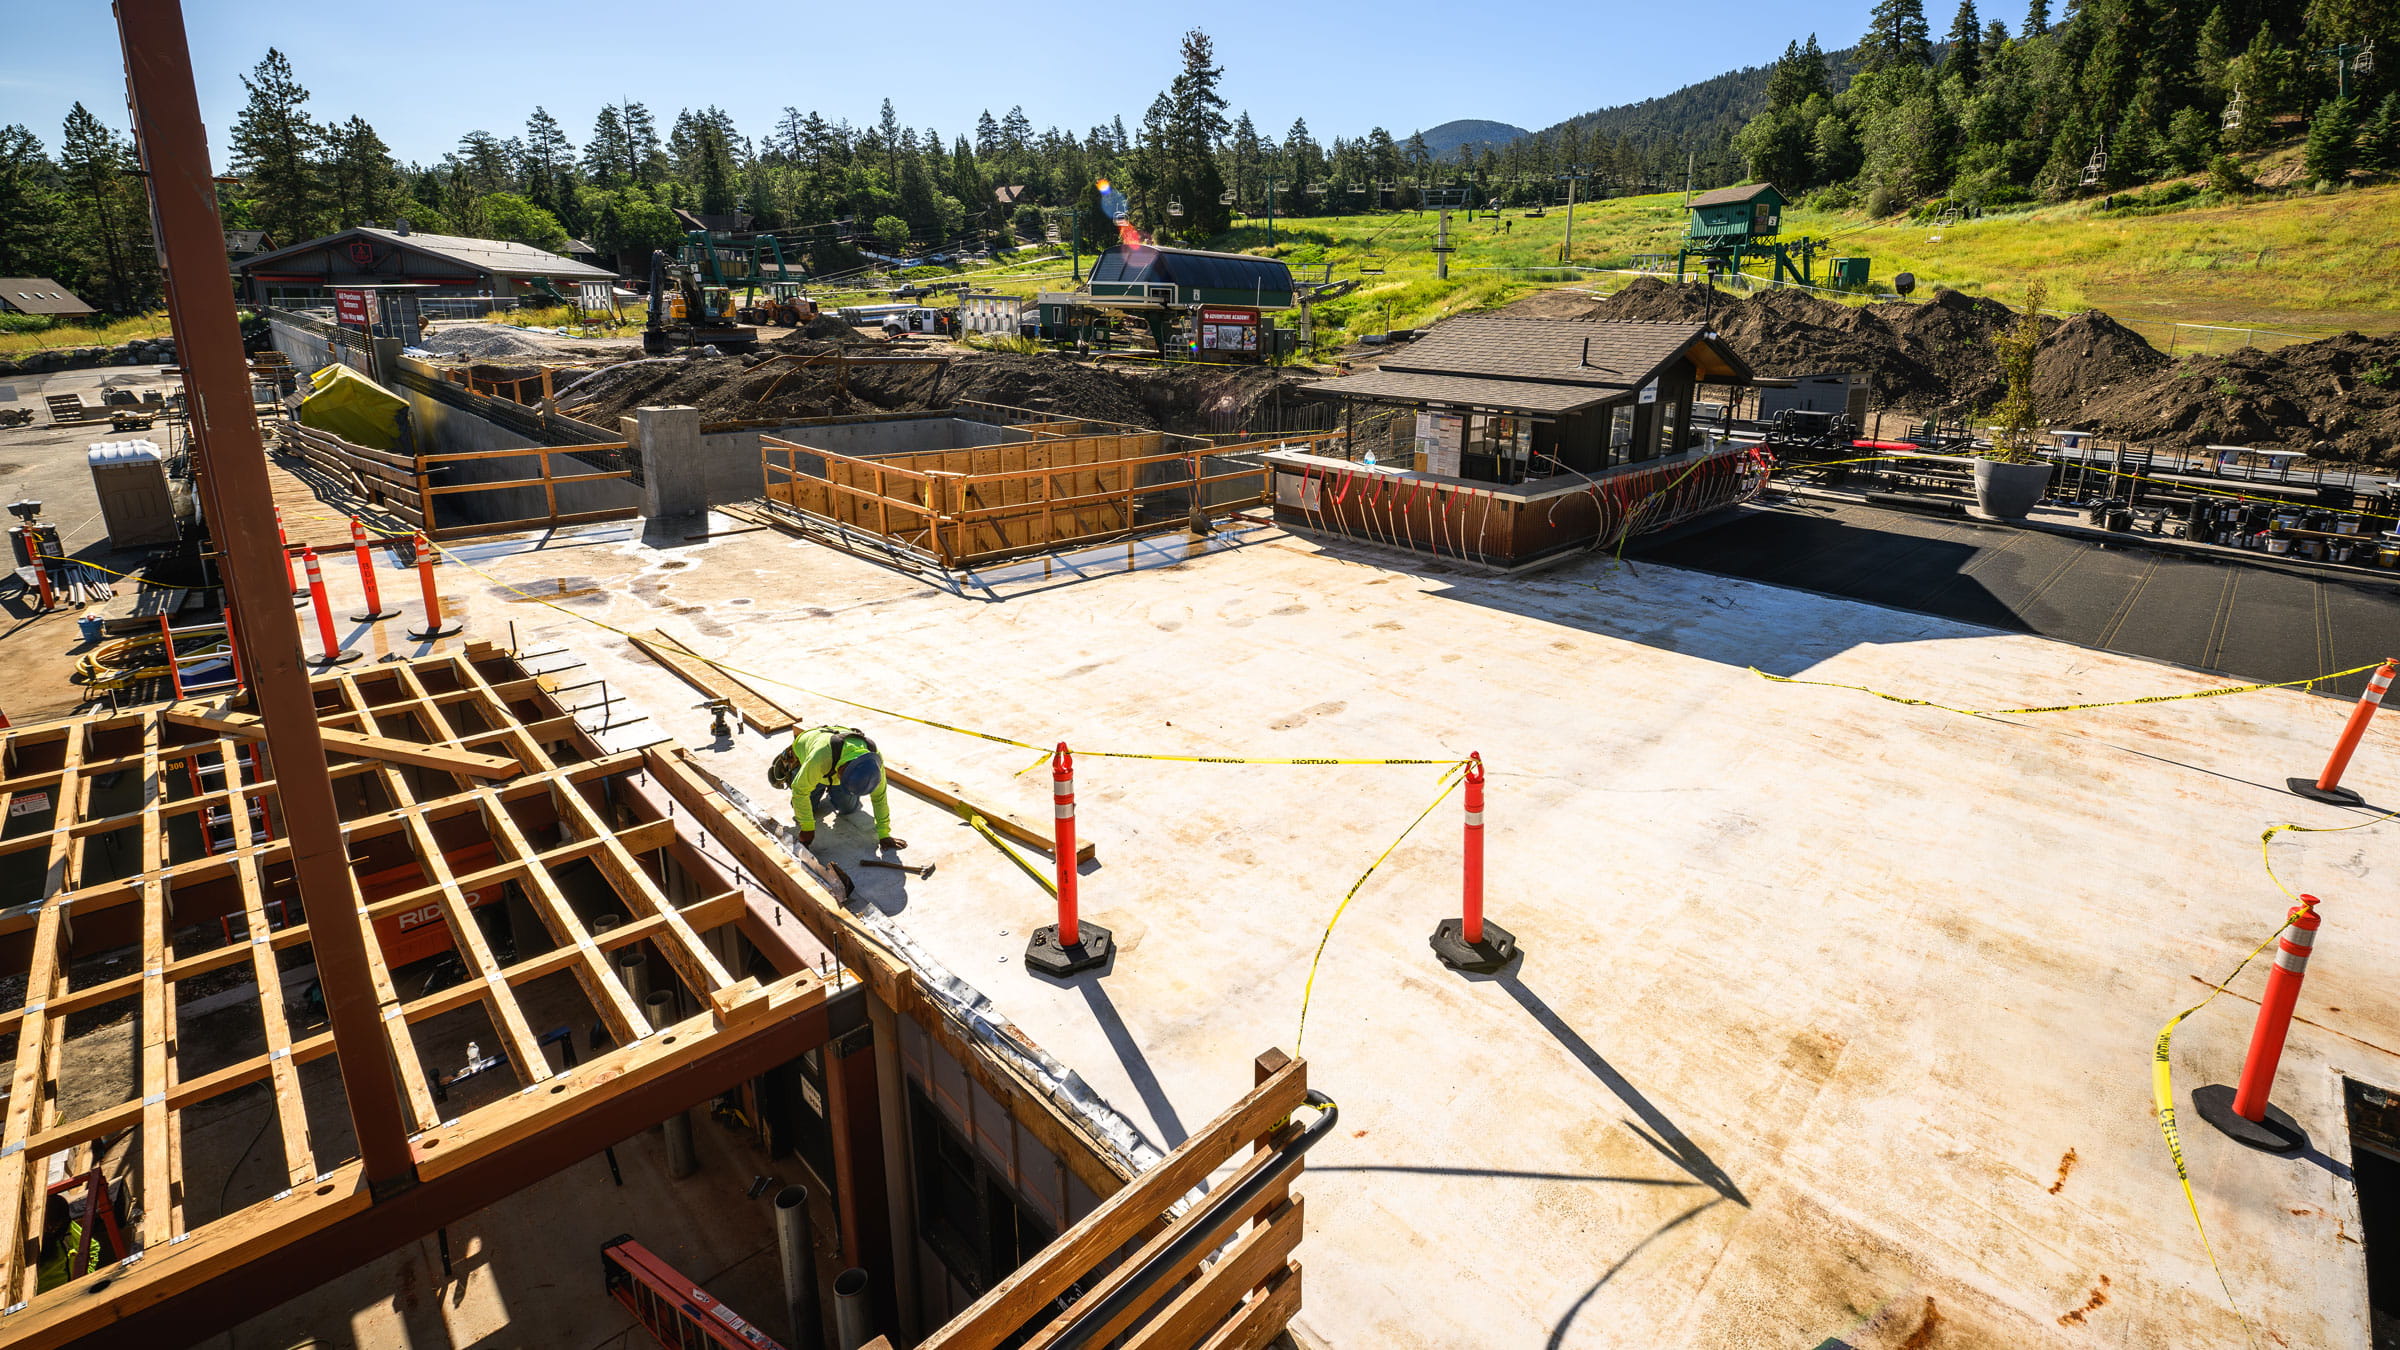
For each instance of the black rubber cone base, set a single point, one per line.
(429, 634)
(1044, 956)
(2340, 796)
(2278, 1133)
(335, 659)
(1498, 948)
(375, 616)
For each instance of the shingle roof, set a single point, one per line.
(39, 295)
(1584, 352)
(1728, 196)
(1402, 386)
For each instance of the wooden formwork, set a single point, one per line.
(961, 507)
(403, 486)
(457, 776)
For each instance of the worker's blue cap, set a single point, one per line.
(863, 775)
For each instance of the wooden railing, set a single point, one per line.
(1167, 1295)
(951, 508)
(548, 481)
(391, 481)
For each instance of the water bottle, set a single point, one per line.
(1370, 459)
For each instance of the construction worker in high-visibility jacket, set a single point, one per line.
(831, 771)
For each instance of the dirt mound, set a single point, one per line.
(2337, 398)
(1932, 355)
(487, 342)
(2085, 359)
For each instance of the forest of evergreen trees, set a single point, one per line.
(2163, 87)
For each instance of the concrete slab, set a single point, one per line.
(1835, 1020)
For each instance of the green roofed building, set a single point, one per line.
(1188, 303)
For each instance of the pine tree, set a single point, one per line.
(2332, 141)
(608, 157)
(275, 149)
(1896, 35)
(364, 184)
(548, 162)
(987, 135)
(1966, 37)
(30, 214)
(108, 219)
(645, 162)
(1196, 122)
(2037, 18)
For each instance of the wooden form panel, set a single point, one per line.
(429, 752)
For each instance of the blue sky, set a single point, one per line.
(427, 71)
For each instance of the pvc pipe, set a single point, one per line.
(799, 1258)
(633, 967)
(2292, 947)
(853, 1326)
(1471, 907)
(681, 1161)
(2356, 727)
(1062, 806)
(659, 1007)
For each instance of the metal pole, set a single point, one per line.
(681, 1162)
(634, 969)
(793, 1244)
(852, 1326)
(232, 464)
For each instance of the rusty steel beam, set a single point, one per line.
(230, 462)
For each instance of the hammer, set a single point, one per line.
(925, 871)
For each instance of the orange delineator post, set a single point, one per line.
(2328, 785)
(1471, 908)
(233, 648)
(366, 577)
(41, 577)
(1070, 945)
(1469, 942)
(331, 653)
(283, 542)
(433, 601)
(2292, 948)
(1062, 807)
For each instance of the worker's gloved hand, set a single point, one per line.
(895, 845)
(808, 836)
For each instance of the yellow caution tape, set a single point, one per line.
(984, 828)
(2311, 681)
(2162, 1092)
(2268, 837)
(1451, 778)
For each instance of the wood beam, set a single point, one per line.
(243, 726)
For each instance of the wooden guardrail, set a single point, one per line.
(394, 482)
(548, 481)
(1166, 1295)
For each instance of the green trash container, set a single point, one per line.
(1849, 272)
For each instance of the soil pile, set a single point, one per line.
(2337, 398)
(1917, 356)
(487, 342)
(2087, 358)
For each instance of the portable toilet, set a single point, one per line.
(130, 478)
(1850, 272)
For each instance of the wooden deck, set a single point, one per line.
(316, 507)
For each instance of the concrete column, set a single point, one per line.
(666, 442)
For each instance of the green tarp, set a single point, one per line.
(354, 408)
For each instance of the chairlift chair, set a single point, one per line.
(2097, 168)
(2364, 62)
(1175, 208)
(2233, 112)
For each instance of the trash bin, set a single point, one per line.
(130, 478)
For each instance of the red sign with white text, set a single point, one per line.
(353, 307)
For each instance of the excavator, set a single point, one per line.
(684, 313)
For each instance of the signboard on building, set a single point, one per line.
(1439, 438)
(1228, 330)
(1649, 393)
(351, 306)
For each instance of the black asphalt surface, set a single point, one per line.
(2232, 617)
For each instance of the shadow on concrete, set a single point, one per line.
(1137, 1065)
(1167, 547)
(1504, 1174)
(1662, 1134)
(1558, 1331)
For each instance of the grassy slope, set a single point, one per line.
(2303, 264)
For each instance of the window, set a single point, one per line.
(1619, 434)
